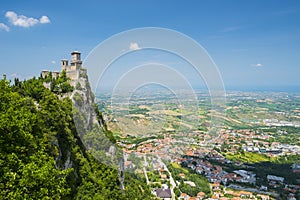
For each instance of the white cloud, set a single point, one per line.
(44, 20)
(23, 21)
(53, 62)
(4, 27)
(257, 65)
(134, 46)
(20, 20)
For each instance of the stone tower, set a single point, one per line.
(64, 64)
(76, 60)
(72, 70)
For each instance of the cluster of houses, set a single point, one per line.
(272, 149)
(254, 141)
(215, 173)
(247, 140)
(276, 122)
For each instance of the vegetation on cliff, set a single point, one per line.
(42, 156)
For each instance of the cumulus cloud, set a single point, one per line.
(20, 20)
(134, 46)
(44, 20)
(257, 65)
(4, 27)
(53, 62)
(23, 21)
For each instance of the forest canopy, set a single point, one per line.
(42, 157)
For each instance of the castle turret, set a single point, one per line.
(75, 59)
(64, 64)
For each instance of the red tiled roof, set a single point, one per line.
(200, 194)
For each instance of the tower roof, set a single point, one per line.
(75, 52)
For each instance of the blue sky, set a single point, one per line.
(255, 44)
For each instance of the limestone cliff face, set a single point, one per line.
(85, 117)
(91, 126)
(89, 122)
(84, 100)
